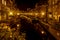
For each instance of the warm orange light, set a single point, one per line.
(55, 17)
(42, 32)
(5, 2)
(11, 35)
(5, 27)
(50, 16)
(0, 17)
(18, 13)
(18, 25)
(9, 29)
(31, 13)
(10, 13)
(58, 34)
(42, 13)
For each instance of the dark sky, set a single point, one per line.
(24, 4)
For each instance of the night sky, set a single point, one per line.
(24, 4)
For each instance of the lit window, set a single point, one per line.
(31, 13)
(5, 3)
(2, 1)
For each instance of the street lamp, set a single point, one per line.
(18, 25)
(42, 32)
(42, 13)
(18, 13)
(10, 13)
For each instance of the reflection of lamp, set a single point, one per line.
(18, 25)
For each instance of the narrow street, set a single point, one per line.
(29, 19)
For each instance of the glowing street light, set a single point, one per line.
(18, 13)
(18, 25)
(10, 13)
(42, 32)
(42, 13)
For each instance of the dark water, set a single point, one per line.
(31, 34)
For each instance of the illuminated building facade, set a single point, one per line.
(3, 9)
(54, 8)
